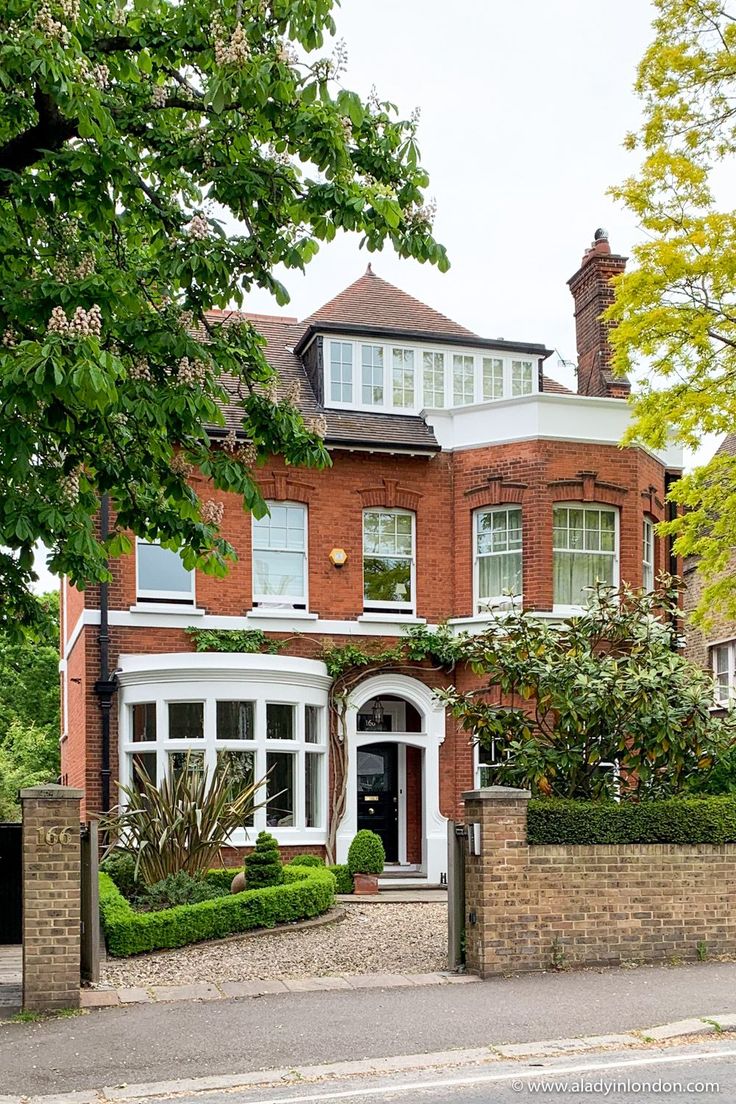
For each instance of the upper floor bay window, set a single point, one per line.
(403, 378)
(341, 371)
(463, 380)
(498, 545)
(522, 377)
(585, 551)
(434, 379)
(724, 672)
(161, 576)
(388, 560)
(647, 555)
(493, 378)
(283, 743)
(280, 556)
(411, 377)
(372, 374)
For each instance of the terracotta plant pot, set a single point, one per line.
(238, 883)
(365, 883)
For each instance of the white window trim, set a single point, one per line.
(408, 608)
(571, 611)
(730, 699)
(485, 605)
(419, 348)
(169, 597)
(209, 685)
(647, 567)
(268, 604)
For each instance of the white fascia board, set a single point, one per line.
(386, 626)
(222, 666)
(580, 419)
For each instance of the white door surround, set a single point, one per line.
(429, 740)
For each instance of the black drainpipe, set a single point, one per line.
(671, 513)
(105, 686)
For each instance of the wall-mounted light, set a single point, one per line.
(338, 557)
(377, 713)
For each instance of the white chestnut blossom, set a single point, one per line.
(140, 370)
(180, 465)
(199, 228)
(52, 28)
(10, 338)
(212, 512)
(58, 322)
(158, 96)
(86, 323)
(69, 486)
(317, 425)
(229, 49)
(191, 372)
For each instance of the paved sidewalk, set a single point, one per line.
(211, 1038)
(227, 990)
(11, 979)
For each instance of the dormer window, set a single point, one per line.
(341, 371)
(372, 374)
(411, 377)
(403, 377)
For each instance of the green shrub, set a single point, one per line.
(306, 860)
(672, 820)
(366, 854)
(222, 878)
(263, 864)
(120, 865)
(343, 878)
(305, 892)
(177, 889)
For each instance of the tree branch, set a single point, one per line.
(50, 133)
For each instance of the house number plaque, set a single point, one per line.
(57, 835)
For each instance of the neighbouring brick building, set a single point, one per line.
(461, 472)
(713, 648)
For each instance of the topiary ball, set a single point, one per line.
(366, 854)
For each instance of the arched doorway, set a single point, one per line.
(395, 727)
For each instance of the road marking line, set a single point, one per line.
(478, 1079)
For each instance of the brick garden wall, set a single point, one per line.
(538, 907)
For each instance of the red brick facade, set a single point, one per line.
(442, 489)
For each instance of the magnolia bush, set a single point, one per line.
(601, 704)
(159, 158)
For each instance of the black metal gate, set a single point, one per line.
(11, 883)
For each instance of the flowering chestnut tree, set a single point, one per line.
(128, 134)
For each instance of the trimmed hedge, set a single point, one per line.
(343, 878)
(671, 820)
(306, 892)
(366, 854)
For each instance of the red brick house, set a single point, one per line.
(461, 472)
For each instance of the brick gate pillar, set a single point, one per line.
(51, 897)
(494, 876)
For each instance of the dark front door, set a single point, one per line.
(11, 914)
(378, 794)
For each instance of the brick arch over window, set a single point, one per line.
(586, 487)
(281, 487)
(496, 491)
(652, 503)
(391, 496)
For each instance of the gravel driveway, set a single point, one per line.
(387, 938)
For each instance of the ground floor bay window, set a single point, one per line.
(266, 716)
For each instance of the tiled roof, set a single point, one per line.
(371, 301)
(554, 387)
(343, 427)
(727, 446)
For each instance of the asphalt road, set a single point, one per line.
(161, 1042)
(703, 1073)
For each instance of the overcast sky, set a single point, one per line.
(524, 110)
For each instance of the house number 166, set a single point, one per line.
(55, 834)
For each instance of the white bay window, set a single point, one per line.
(280, 556)
(498, 549)
(585, 551)
(723, 657)
(264, 716)
(413, 376)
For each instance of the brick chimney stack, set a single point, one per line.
(591, 289)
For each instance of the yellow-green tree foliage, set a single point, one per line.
(676, 307)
